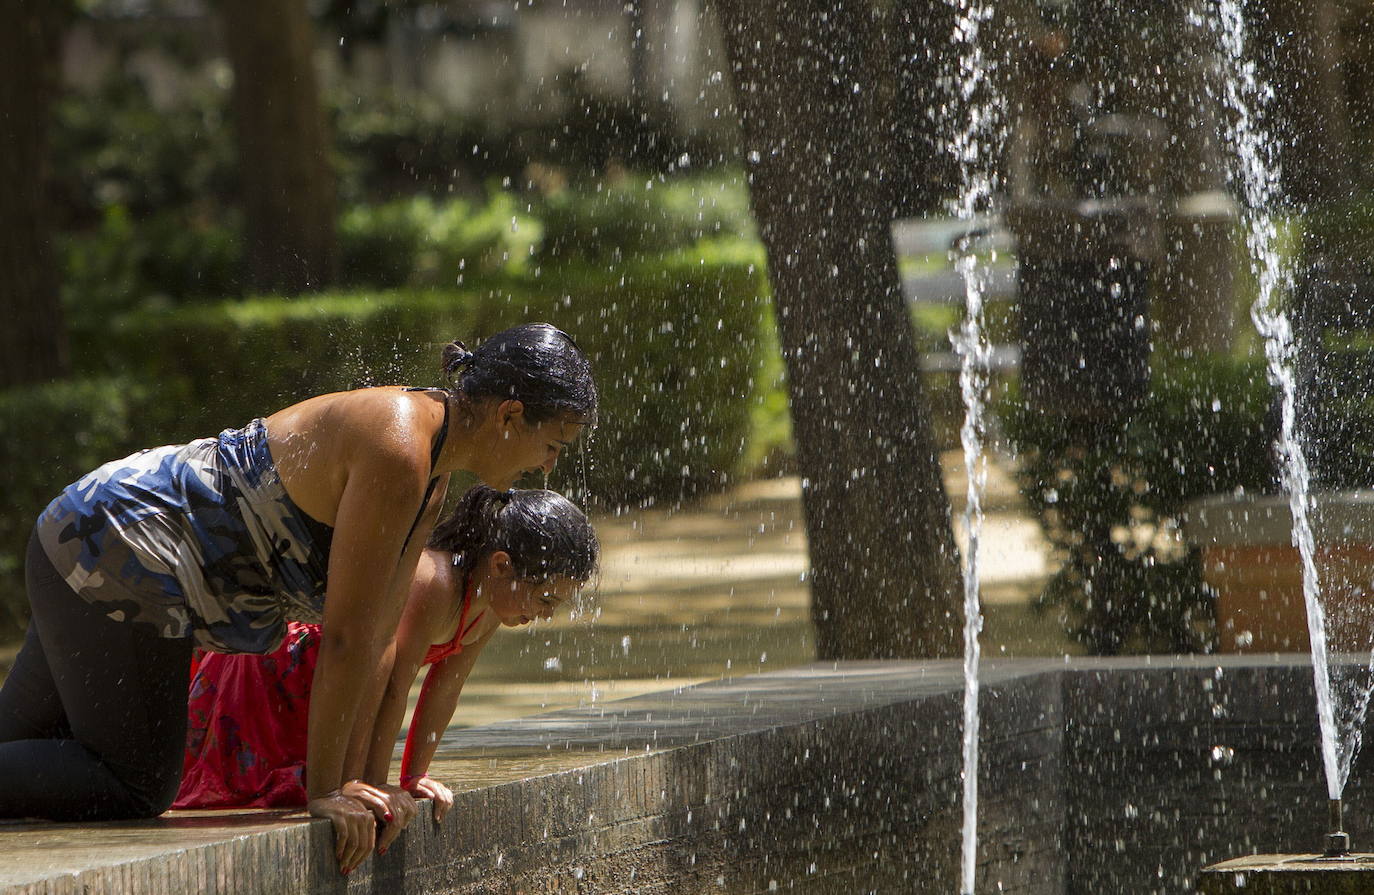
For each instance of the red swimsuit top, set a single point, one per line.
(438, 652)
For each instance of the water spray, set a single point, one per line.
(971, 344)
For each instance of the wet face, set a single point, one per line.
(518, 602)
(535, 448)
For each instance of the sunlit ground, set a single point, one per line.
(718, 590)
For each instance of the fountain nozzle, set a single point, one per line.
(1337, 841)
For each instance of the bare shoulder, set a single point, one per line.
(386, 423)
(319, 443)
(434, 599)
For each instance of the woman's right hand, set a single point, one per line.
(355, 826)
(423, 786)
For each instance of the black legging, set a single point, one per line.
(93, 714)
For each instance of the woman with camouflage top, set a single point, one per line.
(316, 513)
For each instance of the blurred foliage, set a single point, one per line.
(596, 135)
(1342, 232)
(675, 340)
(133, 250)
(146, 194)
(770, 450)
(112, 146)
(1110, 497)
(390, 145)
(1331, 306)
(612, 221)
(49, 435)
(421, 242)
(167, 258)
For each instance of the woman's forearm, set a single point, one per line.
(362, 607)
(340, 675)
(358, 764)
(389, 717)
(422, 741)
(433, 712)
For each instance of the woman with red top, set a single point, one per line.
(316, 513)
(502, 558)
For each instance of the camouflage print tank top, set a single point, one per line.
(197, 540)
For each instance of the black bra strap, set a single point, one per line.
(433, 461)
(440, 438)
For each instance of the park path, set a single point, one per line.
(717, 590)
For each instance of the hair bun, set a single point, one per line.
(454, 357)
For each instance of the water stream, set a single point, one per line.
(970, 148)
(1258, 178)
(974, 353)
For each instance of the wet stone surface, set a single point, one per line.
(1290, 875)
(1096, 776)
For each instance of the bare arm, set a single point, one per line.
(422, 608)
(378, 503)
(434, 710)
(426, 610)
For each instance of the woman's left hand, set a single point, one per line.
(424, 786)
(393, 807)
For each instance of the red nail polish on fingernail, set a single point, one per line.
(382, 852)
(387, 817)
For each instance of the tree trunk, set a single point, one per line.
(283, 143)
(33, 339)
(884, 567)
(1301, 53)
(916, 105)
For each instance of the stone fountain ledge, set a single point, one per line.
(1097, 775)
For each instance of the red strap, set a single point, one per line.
(439, 652)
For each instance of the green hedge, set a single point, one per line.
(128, 260)
(675, 343)
(609, 222)
(419, 242)
(163, 259)
(51, 434)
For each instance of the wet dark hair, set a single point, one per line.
(546, 535)
(535, 363)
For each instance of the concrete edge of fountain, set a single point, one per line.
(254, 850)
(1285, 874)
(703, 788)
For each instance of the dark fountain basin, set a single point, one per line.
(1097, 776)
